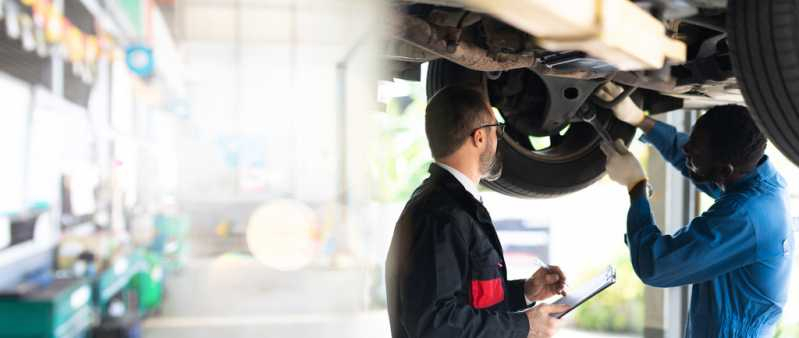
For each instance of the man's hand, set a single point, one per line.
(545, 283)
(621, 165)
(626, 110)
(542, 325)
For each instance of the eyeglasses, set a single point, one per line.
(500, 128)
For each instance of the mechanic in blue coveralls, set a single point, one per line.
(738, 254)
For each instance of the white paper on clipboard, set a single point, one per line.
(576, 297)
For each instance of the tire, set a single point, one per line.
(764, 45)
(523, 175)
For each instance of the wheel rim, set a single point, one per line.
(578, 141)
(523, 100)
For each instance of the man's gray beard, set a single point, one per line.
(491, 166)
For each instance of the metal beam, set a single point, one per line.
(674, 205)
(616, 31)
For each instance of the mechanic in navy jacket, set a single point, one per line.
(737, 254)
(445, 272)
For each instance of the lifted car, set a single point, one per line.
(741, 51)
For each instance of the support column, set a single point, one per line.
(673, 204)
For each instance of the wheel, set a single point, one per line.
(764, 45)
(572, 159)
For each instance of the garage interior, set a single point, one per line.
(234, 168)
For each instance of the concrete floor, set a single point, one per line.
(236, 297)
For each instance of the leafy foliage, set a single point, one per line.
(620, 308)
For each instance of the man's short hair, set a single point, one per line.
(451, 116)
(732, 135)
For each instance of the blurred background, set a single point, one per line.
(234, 168)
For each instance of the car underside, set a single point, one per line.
(546, 92)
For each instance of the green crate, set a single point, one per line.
(148, 284)
(116, 278)
(63, 310)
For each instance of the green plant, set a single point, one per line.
(620, 308)
(400, 156)
(787, 330)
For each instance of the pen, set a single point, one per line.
(541, 263)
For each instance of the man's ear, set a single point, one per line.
(478, 137)
(725, 171)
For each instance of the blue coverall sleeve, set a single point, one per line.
(718, 241)
(669, 142)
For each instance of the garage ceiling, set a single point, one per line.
(271, 21)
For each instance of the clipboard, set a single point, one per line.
(577, 297)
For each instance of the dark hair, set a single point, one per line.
(732, 135)
(451, 115)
